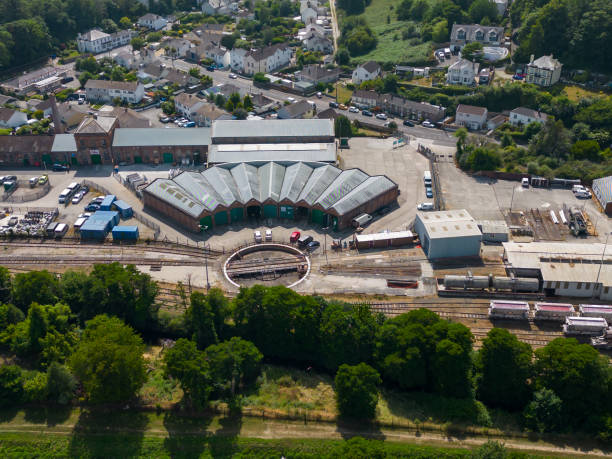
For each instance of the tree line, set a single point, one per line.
(81, 332)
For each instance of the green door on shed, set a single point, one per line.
(270, 211)
(318, 216)
(47, 159)
(96, 159)
(74, 161)
(221, 218)
(237, 214)
(168, 158)
(206, 221)
(138, 159)
(286, 212)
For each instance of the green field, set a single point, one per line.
(391, 46)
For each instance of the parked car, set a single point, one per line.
(43, 179)
(303, 241)
(295, 236)
(210, 68)
(233, 76)
(97, 200)
(59, 168)
(78, 197)
(291, 99)
(428, 124)
(333, 104)
(165, 120)
(257, 236)
(312, 245)
(319, 94)
(92, 207)
(381, 116)
(342, 107)
(84, 189)
(367, 113)
(268, 235)
(408, 123)
(428, 192)
(525, 182)
(425, 206)
(353, 109)
(189, 124)
(67, 79)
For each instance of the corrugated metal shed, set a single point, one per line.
(602, 188)
(173, 194)
(199, 188)
(271, 128)
(340, 187)
(296, 177)
(153, 137)
(125, 233)
(222, 182)
(312, 152)
(247, 180)
(365, 191)
(271, 176)
(319, 180)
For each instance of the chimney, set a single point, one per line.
(531, 59)
(57, 123)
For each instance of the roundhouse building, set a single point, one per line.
(231, 193)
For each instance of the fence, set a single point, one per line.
(32, 196)
(435, 176)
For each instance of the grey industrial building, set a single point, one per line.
(272, 131)
(602, 189)
(448, 234)
(249, 152)
(231, 193)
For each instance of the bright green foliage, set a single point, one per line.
(357, 391)
(137, 43)
(108, 361)
(491, 450)
(37, 326)
(40, 287)
(234, 363)
(11, 385)
(60, 384)
(5, 284)
(188, 365)
(34, 387)
(342, 126)
(470, 50)
(503, 370)
(125, 23)
(481, 9)
(543, 413)
(201, 322)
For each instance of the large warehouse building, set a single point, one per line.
(602, 189)
(232, 193)
(249, 152)
(448, 234)
(272, 131)
(578, 270)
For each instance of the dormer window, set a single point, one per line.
(492, 36)
(461, 34)
(479, 35)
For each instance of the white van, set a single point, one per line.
(427, 177)
(578, 188)
(74, 186)
(525, 182)
(60, 230)
(79, 222)
(361, 220)
(425, 206)
(64, 195)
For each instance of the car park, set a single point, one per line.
(367, 113)
(425, 206)
(408, 123)
(257, 236)
(333, 104)
(381, 116)
(295, 236)
(353, 109)
(313, 245)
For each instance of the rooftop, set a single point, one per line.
(309, 152)
(64, 143)
(272, 128)
(97, 125)
(471, 110)
(132, 137)
(449, 223)
(107, 84)
(383, 236)
(530, 113)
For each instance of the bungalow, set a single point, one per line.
(318, 74)
(301, 109)
(366, 72)
(10, 118)
(462, 34)
(471, 117)
(522, 116)
(152, 21)
(106, 91)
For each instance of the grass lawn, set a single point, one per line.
(575, 93)
(96, 106)
(5, 131)
(344, 94)
(391, 46)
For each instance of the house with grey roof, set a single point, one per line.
(315, 74)
(462, 34)
(462, 72)
(95, 41)
(522, 116)
(267, 59)
(471, 117)
(315, 41)
(300, 109)
(152, 21)
(11, 119)
(107, 91)
(366, 72)
(543, 71)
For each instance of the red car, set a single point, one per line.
(294, 236)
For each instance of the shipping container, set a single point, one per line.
(125, 233)
(93, 229)
(108, 201)
(509, 309)
(381, 240)
(553, 311)
(124, 209)
(51, 228)
(60, 230)
(112, 216)
(596, 310)
(592, 326)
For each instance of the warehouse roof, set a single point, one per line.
(194, 193)
(272, 128)
(230, 153)
(148, 137)
(445, 216)
(441, 230)
(602, 188)
(64, 143)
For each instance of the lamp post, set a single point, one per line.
(202, 229)
(603, 253)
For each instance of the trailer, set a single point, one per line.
(501, 309)
(596, 310)
(553, 311)
(589, 326)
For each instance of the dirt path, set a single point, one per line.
(334, 16)
(250, 427)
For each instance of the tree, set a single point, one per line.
(201, 321)
(586, 149)
(490, 450)
(154, 37)
(418, 9)
(472, 49)
(342, 56)
(240, 113)
(37, 326)
(109, 26)
(137, 43)
(357, 391)
(553, 140)
(34, 387)
(504, 368)
(228, 41)
(260, 77)
(481, 9)
(5, 285)
(60, 384)
(117, 74)
(108, 360)
(40, 287)
(125, 23)
(247, 103)
(543, 413)
(185, 363)
(440, 31)
(194, 72)
(234, 363)
(342, 127)
(390, 83)
(167, 107)
(569, 368)
(11, 385)
(352, 6)
(484, 159)
(598, 114)
(39, 114)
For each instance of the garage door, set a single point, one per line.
(236, 214)
(318, 216)
(47, 159)
(138, 159)
(168, 158)
(206, 221)
(286, 212)
(96, 159)
(221, 218)
(270, 211)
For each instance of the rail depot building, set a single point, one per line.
(231, 193)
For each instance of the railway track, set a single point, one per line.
(379, 269)
(71, 260)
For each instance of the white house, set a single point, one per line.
(267, 59)
(366, 72)
(237, 56)
(522, 116)
(152, 21)
(213, 7)
(544, 71)
(185, 104)
(471, 117)
(462, 72)
(106, 91)
(309, 16)
(176, 47)
(462, 34)
(95, 41)
(10, 118)
(219, 55)
(126, 60)
(317, 42)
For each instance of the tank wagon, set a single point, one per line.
(553, 311)
(589, 326)
(509, 310)
(498, 283)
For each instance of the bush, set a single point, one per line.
(11, 385)
(35, 387)
(357, 391)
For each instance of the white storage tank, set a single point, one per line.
(596, 310)
(503, 309)
(553, 311)
(592, 326)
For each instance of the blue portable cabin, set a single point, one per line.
(110, 216)
(107, 203)
(94, 229)
(124, 209)
(125, 233)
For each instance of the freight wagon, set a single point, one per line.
(553, 311)
(590, 326)
(596, 310)
(509, 310)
